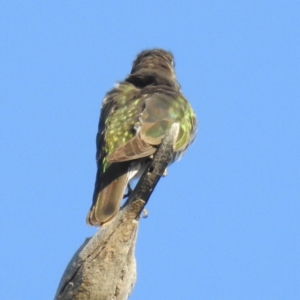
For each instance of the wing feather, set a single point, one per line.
(160, 112)
(134, 149)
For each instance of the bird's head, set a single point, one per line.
(156, 60)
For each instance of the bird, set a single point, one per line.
(135, 116)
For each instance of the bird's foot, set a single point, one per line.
(145, 213)
(129, 191)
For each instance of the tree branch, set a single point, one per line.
(104, 266)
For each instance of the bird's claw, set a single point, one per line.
(145, 213)
(165, 173)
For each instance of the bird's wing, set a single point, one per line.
(160, 112)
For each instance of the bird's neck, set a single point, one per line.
(146, 77)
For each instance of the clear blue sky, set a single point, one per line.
(225, 223)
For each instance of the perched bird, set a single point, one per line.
(134, 119)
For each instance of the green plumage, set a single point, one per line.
(134, 119)
(120, 123)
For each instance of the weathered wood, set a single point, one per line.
(104, 267)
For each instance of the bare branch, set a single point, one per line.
(104, 266)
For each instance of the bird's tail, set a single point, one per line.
(108, 197)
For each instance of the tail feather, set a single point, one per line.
(108, 194)
(108, 202)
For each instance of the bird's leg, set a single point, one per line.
(129, 191)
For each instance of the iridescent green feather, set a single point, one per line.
(122, 119)
(164, 110)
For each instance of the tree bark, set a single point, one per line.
(104, 267)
